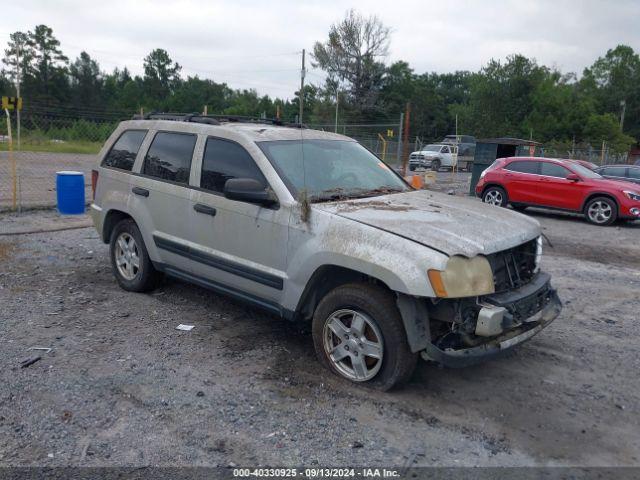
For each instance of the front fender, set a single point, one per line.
(327, 239)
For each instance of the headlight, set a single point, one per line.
(632, 195)
(463, 277)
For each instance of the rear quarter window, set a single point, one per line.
(123, 153)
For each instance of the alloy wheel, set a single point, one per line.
(353, 343)
(127, 256)
(599, 212)
(493, 197)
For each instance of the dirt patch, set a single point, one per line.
(374, 204)
(6, 249)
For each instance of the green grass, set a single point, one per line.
(72, 146)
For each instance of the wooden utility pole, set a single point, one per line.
(302, 73)
(12, 161)
(337, 103)
(405, 139)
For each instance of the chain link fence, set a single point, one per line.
(47, 144)
(51, 142)
(596, 156)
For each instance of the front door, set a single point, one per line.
(236, 245)
(556, 191)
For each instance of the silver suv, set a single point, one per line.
(313, 227)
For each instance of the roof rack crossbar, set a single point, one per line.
(214, 119)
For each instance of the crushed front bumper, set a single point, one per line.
(531, 308)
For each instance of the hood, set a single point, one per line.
(452, 225)
(616, 184)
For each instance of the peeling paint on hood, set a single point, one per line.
(449, 224)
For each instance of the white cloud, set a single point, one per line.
(252, 44)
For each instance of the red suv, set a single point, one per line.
(559, 184)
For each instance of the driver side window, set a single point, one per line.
(223, 160)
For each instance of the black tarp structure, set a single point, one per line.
(490, 149)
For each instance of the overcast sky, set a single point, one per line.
(255, 44)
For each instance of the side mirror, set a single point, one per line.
(248, 190)
(572, 177)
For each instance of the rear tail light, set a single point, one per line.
(94, 182)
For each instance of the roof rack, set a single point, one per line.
(214, 119)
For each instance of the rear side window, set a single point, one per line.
(169, 156)
(123, 153)
(224, 160)
(553, 170)
(523, 167)
(615, 171)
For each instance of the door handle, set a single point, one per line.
(143, 192)
(206, 209)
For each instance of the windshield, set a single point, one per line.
(432, 148)
(331, 169)
(584, 171)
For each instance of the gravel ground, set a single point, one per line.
(123, 387)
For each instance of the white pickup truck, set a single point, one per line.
(434, 156)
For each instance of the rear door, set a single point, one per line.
(236, 245)
(161, 194)
(522, 180)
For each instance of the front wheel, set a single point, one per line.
(435, 165)
(358, 334)
(601, 211)
(495, 196)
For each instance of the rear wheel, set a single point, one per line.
(601, 211)
(495, 196)
(358, 334)
(435, 165)
(130, 260)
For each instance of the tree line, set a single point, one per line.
(515, 97)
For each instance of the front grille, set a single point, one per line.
(514, 267)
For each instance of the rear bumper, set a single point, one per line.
(515, 301)
(97, 216)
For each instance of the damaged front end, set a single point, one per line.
(466, 331)
(461, 331)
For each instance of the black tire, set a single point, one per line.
(435, 165)
(412, 168)
(379, 306)
(601, 211)
(146, 277)
(494, 195)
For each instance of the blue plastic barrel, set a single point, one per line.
(70, 190)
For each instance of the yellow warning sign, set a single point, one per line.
(12, 103)
(390, 133)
